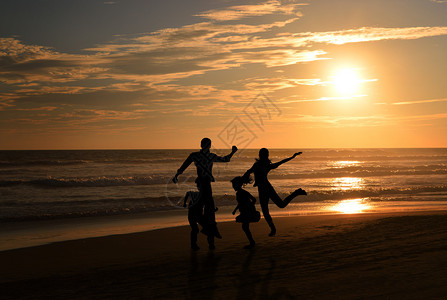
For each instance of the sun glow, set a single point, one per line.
(346, 81)
(351, 206)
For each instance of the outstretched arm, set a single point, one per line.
(182, 168)
(226, 158)
(275, 165)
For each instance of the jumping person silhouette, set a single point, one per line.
(261, 168)
(203, 160)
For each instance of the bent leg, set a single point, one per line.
(283, 203)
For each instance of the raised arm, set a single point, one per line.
(277, 164)
(226, 158)
(182, 168)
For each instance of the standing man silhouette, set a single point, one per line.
(203, 160)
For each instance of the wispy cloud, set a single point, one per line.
(244, 11)
(290, 100)
(420, 101)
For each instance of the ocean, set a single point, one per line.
(37, 186)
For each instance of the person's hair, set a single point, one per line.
(205, 143)
(263, 155)
(241, 181)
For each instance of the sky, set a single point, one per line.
(134, 74)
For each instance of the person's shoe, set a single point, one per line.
(301, 192)
(272, 232)
(195, 247)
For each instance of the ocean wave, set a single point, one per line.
(378, 193)
(20, 211)
(360, 171)
(227, 175)
(8, 164)
(102, 181)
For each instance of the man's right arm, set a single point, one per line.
(183, 167)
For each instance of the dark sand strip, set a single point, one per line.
(377, 256)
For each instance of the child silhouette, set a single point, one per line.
(195, 213)
(246, 206)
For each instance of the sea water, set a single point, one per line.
(71, 184)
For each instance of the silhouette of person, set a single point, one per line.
(195, 213)
(261, 168)
(246, 205)
(203, 160)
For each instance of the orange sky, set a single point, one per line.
(276, 74)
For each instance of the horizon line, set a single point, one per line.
(272, 148)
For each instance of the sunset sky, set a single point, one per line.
(137, 74)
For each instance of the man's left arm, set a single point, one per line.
(226, 158)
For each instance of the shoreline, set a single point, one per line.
(33, 233)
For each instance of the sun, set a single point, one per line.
(346, 81)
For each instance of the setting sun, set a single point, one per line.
(346, 81)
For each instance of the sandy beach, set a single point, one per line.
(377, 256)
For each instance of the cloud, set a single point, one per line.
(244, 11)
(21, 63)
(364, 34)
(368, 34)
(321, 99)
(420, 101)
(148, 69)
(277, 83)
(280, 57)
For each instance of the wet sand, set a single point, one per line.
(377, 256)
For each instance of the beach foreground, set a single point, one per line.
(393, 255)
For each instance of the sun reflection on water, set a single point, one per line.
(351, 206)
(345, 163)
(347, 183)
